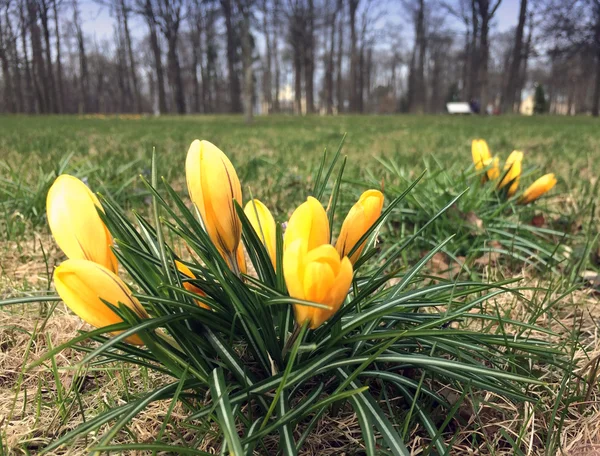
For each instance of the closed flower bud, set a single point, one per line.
(481, 153)
(318, 276)
(512, 172)
(543, 185)
(83, 285)
(264, 224)
(493, 165)
(190, 286)
(308, 223)
(213, 184)
(358, 221)
(72, 211)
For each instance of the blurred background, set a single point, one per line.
(300, 56)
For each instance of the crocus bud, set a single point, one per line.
(190, 286)
(83, 285)
(308, 223)
(481, 153)
(264, 224)
(358, 221)
(493, 165)
(240, 259)
(318, 276)
(72, 212)
(213, 185)
(543, 185)
(512, 172)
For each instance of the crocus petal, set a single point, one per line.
(541, 186)
(83, 284)
(480, 153)
(72, 211)
(308, 222)
(213, 184)
(358, 221)
(190, 286)
(512, 172)
(264, 224)
(318, 276)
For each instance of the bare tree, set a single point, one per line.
(508, 102)
(227, 7)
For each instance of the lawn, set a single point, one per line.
(276, 158)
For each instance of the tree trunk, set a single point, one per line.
(38, 67)
(275, 47)
(11, 105)
(174, 72)
(330, 66)
(353, 56)
(60, 94)
(267, 89)
(83, 64)
(340, 55)
(596, 101)
(49, 83)
(297, 80)
(156, 52)
(132, 66)
(508, 104)
(12, 48)
(474, 55)
(309, 59)
(484, 54)
(232, 58)
(29, 92)
(246, 40)
(196, 53)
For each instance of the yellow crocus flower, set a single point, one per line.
(190, 286)
(213, 184)
(493, 165)
(360, 218)
(318, 276)
(309, 223)
(543, 185)
(72, 212)
(83, 284)
(512, 172)
(481, 153)
(264, 224)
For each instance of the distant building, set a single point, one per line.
(527, 103)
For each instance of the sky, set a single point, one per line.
(98, 22)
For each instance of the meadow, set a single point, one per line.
(276, 159)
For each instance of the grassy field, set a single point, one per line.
(275, 158)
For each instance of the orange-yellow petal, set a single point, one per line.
(541, 186)
(308, 222)
(213, 184)
(358, 221)
(83, 284)
(264, 224)
(72, 211)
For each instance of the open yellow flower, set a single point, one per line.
(360, 218)
(481, 153)
(190, 286)
(83, 284)
(264, 224)
(512, 172)
(213, 184)
(543, 185)
(318, 276)
(72, 211)
(309, 223)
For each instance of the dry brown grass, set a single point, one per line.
(30, 416)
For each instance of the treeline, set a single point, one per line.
(301, 56)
